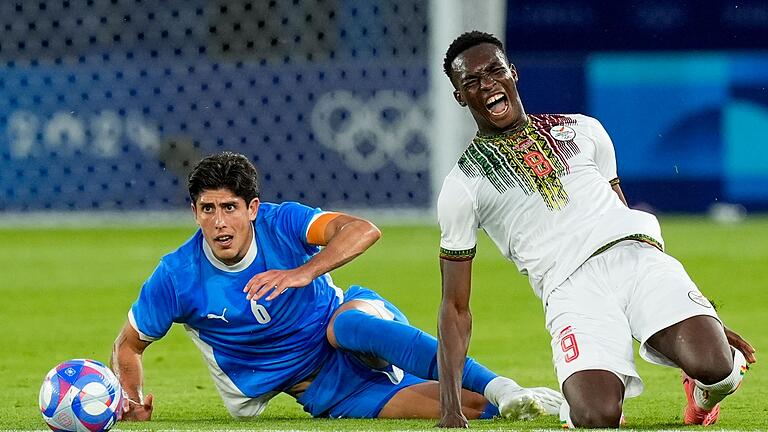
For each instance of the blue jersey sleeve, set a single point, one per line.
(293, 220)
(157, 307)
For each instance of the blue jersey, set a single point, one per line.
(259, 347)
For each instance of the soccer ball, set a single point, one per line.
(81, 396)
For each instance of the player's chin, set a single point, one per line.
(501, 122)
(225, 254)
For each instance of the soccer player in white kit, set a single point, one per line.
(545, 190)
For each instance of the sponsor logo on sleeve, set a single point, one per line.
(562, 133)
(699, 299)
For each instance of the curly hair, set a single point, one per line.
(464, 42)
(228, 170)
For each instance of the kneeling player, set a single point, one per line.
(253, 291)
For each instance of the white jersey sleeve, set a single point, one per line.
(605, 155)
(457, 216)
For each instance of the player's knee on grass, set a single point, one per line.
(603, 415)
(595, 398)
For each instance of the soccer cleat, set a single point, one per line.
(520, 404)
(529, 403)
(693, 414)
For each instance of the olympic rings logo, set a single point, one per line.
(390, 126)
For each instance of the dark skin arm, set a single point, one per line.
(126, 363)
(617, 189)
(734, 339)
(740, 344)
(454, 331)
(345, 237)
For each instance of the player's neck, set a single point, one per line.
(515, 127)
(239, 265)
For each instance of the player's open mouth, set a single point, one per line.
(223, 240)
(497, 104)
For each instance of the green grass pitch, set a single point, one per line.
(66, 292)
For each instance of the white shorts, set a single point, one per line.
(632, 290)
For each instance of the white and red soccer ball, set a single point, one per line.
(81, 396)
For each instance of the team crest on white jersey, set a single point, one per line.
(533, 158)
(562, 133)
(699, 299)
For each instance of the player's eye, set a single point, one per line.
(230, 207)
(470, 83)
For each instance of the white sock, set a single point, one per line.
(497, 387)
(565, 416)
(709, 395)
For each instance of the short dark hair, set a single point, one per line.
(464, 42)
(228, 170)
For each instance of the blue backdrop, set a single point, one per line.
(105, 105)
(682, 89)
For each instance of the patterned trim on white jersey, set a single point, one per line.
(532, 159)
(458, 255)
(633, 237)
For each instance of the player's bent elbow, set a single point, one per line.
(374, 233)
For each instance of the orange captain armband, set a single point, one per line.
(458, 255)
(316, 231)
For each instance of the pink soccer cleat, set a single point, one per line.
(693, 414)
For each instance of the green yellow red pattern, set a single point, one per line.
(502, 160)
(459, 255)
(636, 237)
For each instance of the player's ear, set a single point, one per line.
(459, 98)
(513, 69)
(253, 209)
(193, 207)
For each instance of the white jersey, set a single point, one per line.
(543, 195)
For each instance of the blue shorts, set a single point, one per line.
(345, 387)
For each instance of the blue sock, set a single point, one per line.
(406, 347)
(490, 412)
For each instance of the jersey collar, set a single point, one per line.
(247, 260)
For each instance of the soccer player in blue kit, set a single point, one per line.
(253, 292)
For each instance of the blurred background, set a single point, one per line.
(106, 104)
(343, 104)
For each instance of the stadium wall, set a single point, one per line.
(340, 103)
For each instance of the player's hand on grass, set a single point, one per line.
(276, 281)
(738, 342)
(549, 399)
(135, 411)
(453, 420)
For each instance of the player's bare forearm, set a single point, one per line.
(345, 238)
(620, 193)
(126, 363)
(454, 330)
(453, 342)
(738, 342)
